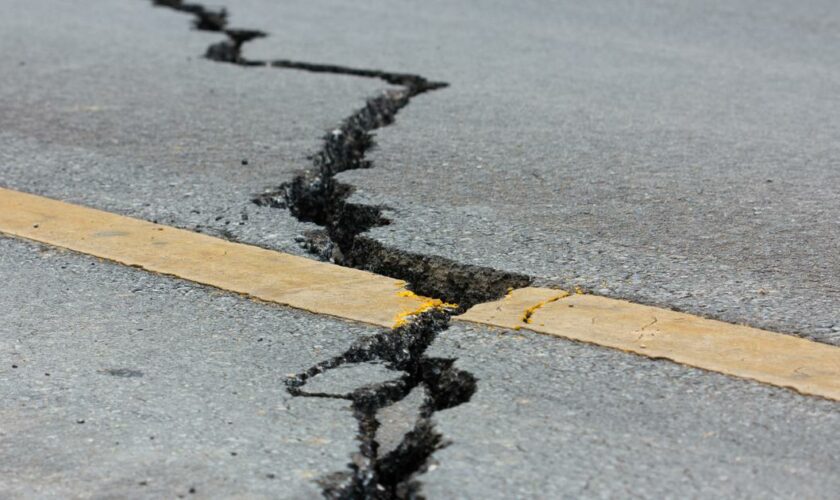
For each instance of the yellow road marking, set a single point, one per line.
(777, 359)
(782, 360)
(267, 275)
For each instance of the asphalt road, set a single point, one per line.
(119, 383)
(118, 110)
(554, 419)
(677, 155)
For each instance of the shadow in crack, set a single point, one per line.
(402, 349)
(316, 196)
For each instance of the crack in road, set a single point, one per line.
(394, 475)
(317, 196)
(528, 314)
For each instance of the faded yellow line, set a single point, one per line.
(267, 275)
(782, 360)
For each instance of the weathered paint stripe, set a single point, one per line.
(773, 358)
(263, 274)
(782, 360)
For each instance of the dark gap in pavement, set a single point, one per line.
(316, 196)
(394, 475)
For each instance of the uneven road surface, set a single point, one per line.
(679, 156)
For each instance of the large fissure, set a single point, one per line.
(317, 196)
(394, 474)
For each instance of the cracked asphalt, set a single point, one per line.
(140, 124)
(118, 383)
(681, 156)
(677, 155)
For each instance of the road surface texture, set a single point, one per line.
(112, 105)
(682, 156)
(118, 383)
(677, 155)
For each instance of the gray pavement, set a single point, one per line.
(120, 383)
(556, 419)
(682, 155)
(179, 387)
(112, 106)
(676, 155)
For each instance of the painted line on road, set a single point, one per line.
(256, 272)
(773, 358)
